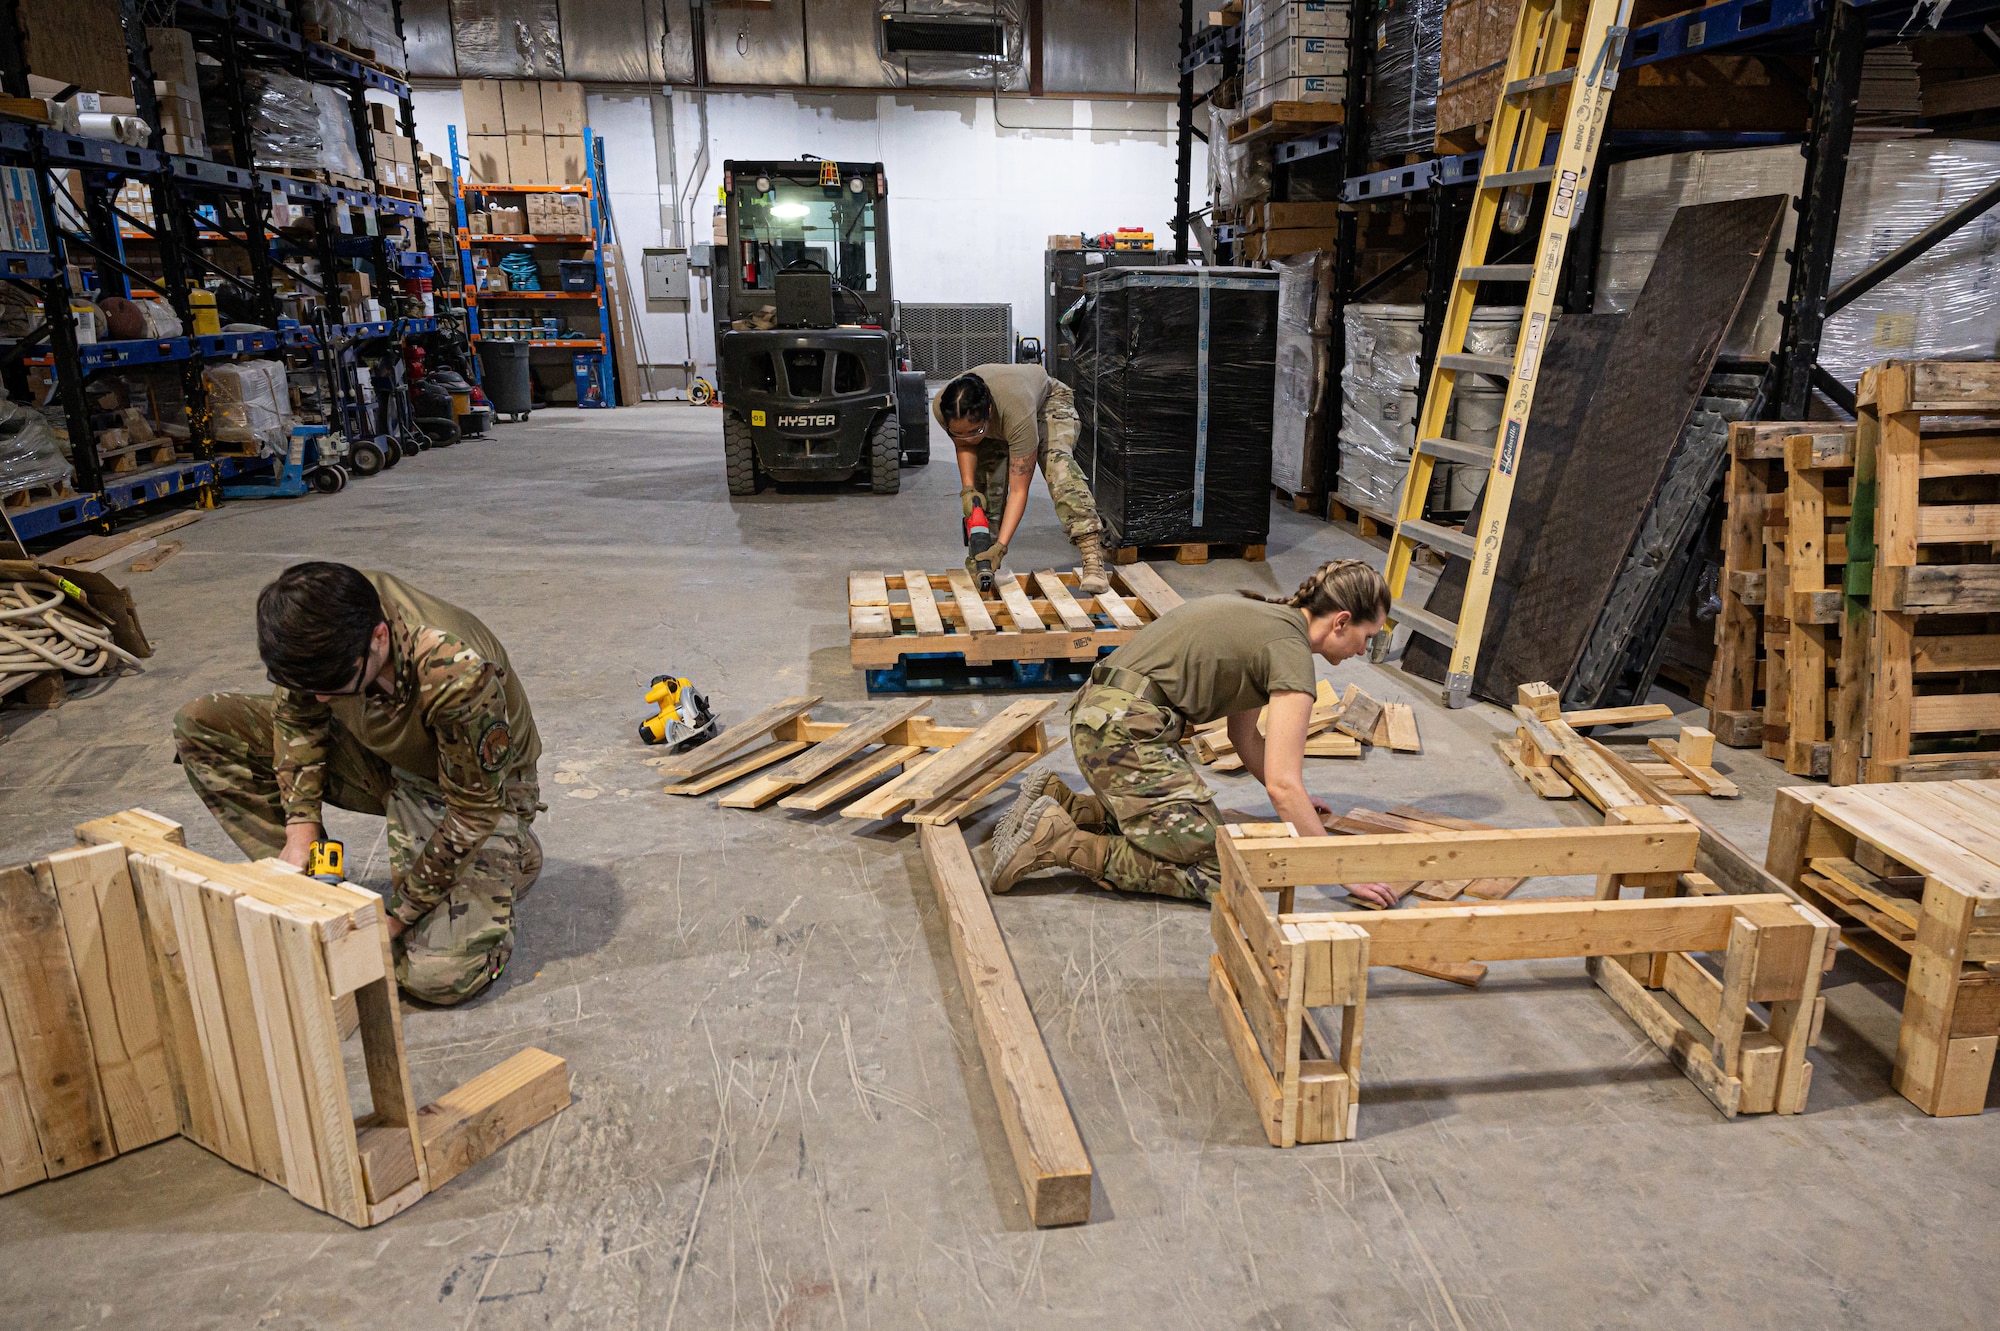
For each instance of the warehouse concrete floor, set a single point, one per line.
(781, 1116)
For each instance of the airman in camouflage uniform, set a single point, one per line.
(1075, 508)
(447, 754)
(1154, 805)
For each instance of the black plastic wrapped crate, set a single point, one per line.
(1403, 78)
(1174, 389)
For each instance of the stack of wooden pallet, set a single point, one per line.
(148, 990)
(1557, 762)
(943, 772)
(941, 633)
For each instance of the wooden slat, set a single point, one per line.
(951, 808)
(1019, 608)
(20, 1147)
(112, 965)
(870, 621)
(257, 928)
(971, 606)
(1617, 716)
(923, 605)
(958, 763)
(864, 730)
(380, 1014)
(751, 762)
(51, 1036)
(329, 1114)
(464, 1126)
(1519, 930)
(1937, 713)
(232, 977)
(1067, 610)
(839, 785)
(1048, 1151)
(1525, 852)
(731, 742)
(1402, 719)
(211, 1022)
(1944, 655)
(886, 800)
(1113, 605)
(867, 589)
(1265, 1095)
(193, 1096)
(1143, 582)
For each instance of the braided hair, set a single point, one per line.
(1352, 585)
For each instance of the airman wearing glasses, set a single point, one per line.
(387, 701)
(1002, 420)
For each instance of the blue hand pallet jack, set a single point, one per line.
(300, 472)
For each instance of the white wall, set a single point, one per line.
(973, 199)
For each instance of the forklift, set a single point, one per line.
(814, 372)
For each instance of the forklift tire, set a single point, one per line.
(365, 458)
(325, 480)
(740, 452)
(885, 457)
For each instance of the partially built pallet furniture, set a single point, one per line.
(1275, 968)
(943, 772)
(1928, 445)
(942, 633)
(147, 990)
(1912, 873)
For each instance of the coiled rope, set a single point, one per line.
(37, 637)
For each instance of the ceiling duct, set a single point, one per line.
(943, 34)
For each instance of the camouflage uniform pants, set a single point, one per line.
(1075, 508)
(1163, 818)
(226, 745)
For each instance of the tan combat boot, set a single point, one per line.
(1093, 578)
(1083, 807)
(1044, 839)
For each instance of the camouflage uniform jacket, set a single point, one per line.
(453, 715)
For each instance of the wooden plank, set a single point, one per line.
(257, 929)
(864, 730)
(888, 799)
(1144, 583)
(1019, 609)
(1265, 1095)
(1331, 745)
(211, 1021)
(1402, 719)
(232, 977)
(111, 963)
(1067, 610)
(1934, 655)
(1113, 605)
(951, 808)
(1947, 387)
(731, 742)
(1940, 524)
(1519, 930)
(322, 1073)
(958, 763)
(20, 1147)
(870, 621)
(867, 589)
(1511, 852)
(752, 762)
(1937, 713)
(1617, 716)
(839, 785)
(1048, 1151)
(923, 605)
(155, 557)
(1706, 778)
(1960, 455)
(1867, 813)
(1938, 589)
(1676, 1041)
(380, 1024)
(38, 988)
(465, 1125)
(193, 1096)
(1263, 1009)
(971, 606)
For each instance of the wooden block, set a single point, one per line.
(1048, 1151)
(1359, 714)
(1697, 746)
(464, 1126)
(1541, 700)
(1738, 730)
(51, 1037)
(113, 971)
(388, 1165)
(1402, 722)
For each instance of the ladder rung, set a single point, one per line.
(1498, 272)
(1555, 78)
(1500, 367)
(1424, 622)
(1454, 542)
(1451, 450)
(1534, 175)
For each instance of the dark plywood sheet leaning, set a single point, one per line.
(1601, 485)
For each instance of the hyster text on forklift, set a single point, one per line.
(812, 372)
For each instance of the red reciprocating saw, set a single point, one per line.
(978, 540)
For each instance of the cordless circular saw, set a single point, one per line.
(684, 720)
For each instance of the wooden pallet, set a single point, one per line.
(1304, 501)
(1927, 703)
(1286, 119)
(1558, 762)
(1819, 469)
(945, 613)
(150, 991)
(27, 496)
(1275, 968)
(1367, 523)
(1738, 693)
(1188, 552)
(1912, 875)
(924, 772)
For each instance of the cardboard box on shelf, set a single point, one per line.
(486, 159)
(506, 222)
(527, 161)
(484, 114)
(557, 215)
(521, 100)
(565, 159)
(563, 109)
(172, 56)
(477, 224)
(382, 118)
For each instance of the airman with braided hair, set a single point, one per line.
(1148, 823)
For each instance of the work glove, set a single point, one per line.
(991, 558)
(970, 498)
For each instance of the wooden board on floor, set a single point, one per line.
(466, 1125)
(1048, 1151)
(51, 1039)
(731, 742)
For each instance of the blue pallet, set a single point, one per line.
(949, 672)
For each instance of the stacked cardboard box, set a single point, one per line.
(524, 133)
(177, 87)
(1477, 36)
(1294, 52)
(395, 156)
(1276, 230)
(557, 215)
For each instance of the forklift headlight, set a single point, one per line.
(854, 185)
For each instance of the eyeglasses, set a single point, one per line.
(360, 682)
(972, 436)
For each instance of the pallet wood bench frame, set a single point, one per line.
(1273, 967)
(1936, 943)
(147, 990)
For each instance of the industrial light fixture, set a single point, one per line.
(854, 185)
(763, 184)
(789, 210)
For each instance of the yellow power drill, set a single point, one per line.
(327, 861)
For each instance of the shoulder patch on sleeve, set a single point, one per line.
(495, 745)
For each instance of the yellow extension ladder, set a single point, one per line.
(1537, 69)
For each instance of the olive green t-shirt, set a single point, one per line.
(1018, 393)
(1219, 655)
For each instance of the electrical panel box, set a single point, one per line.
(666, 277)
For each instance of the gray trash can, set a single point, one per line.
(503, 368)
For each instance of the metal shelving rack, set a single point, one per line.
(592, 191)
(197, 204)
